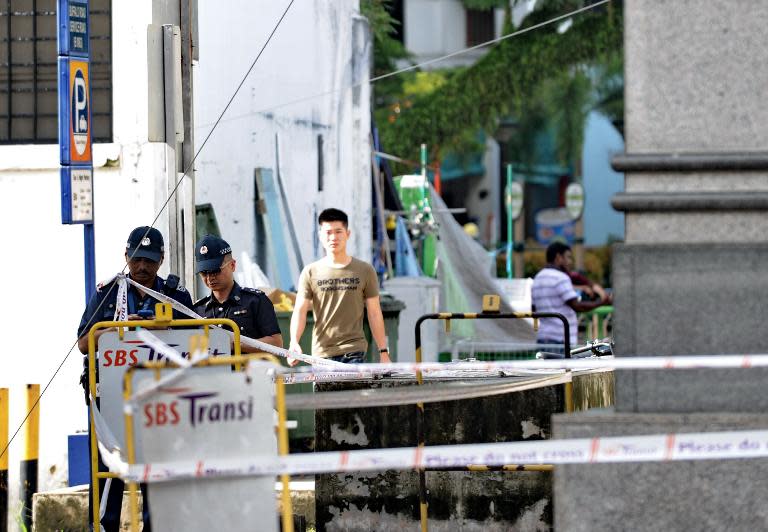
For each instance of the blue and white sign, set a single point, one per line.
(76, 194)
(74, 28)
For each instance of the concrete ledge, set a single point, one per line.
(690, 162)
(67, 508)
(703, 495)
(690, 201)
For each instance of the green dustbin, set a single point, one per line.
(390, 308)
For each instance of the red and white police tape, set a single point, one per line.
(652, 448)
(607, 362)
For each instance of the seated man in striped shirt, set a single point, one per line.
(553, 292)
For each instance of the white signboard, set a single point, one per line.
(209, 415)
(81, 183)
(574, 200)
(514, 199)
(516, 293)
(116, 356)
(412, 181)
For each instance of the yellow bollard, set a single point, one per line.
(3, 458)
(28, 469)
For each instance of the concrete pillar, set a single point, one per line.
(691, 276)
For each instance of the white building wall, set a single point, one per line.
(319, 51)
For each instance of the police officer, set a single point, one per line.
(144, 255)
(249, 308)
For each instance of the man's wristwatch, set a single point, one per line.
(384, 350)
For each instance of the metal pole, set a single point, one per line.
(425, 186)
(172, 107)
(28, 469)
(89, 259)
(510, 236)
(519, 237)
(4, 459)
(94, 454)
(189, 50)
(283, 450)
(133, 492)
(423, 507)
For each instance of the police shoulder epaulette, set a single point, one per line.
(251, 290)
(202, 301)
(180, 289)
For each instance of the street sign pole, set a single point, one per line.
(574, 204)
(75, 135)
(510, 222)
(89, 259)
(513, 203)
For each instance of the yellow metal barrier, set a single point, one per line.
(491, 305)
(163, 313)
(282, 430)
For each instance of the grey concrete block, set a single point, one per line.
(690, 300)
(695, 75)
(696, 181)
(703, 495)
(696, 227)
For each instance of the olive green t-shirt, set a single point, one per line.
(338, 302)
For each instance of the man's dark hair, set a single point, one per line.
(333, 215)
(555, 249)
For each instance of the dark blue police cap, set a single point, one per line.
(210, 252)
(145, 243)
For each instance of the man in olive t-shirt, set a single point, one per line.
(339, 289)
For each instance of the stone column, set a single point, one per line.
(692, 275)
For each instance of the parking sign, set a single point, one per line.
(74, 111)
(72, 18)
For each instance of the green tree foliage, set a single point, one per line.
(526, 77)
(387, 50)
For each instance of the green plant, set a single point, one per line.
(506, 80)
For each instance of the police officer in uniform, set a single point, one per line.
(249, 308)
(144, 254)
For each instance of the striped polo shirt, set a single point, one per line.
(551, 289)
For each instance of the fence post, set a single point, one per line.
(4, 459)
(28, 476)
